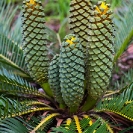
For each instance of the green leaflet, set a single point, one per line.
(101, 50)
(54, 80)
(34, 41)
(121, 104)
(86, 124)
(71, 68)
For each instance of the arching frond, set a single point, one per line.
(121, 104)
(12, 84)
(33, 102)
(96, 127)
(8, 26)
(12, 125)
(10, 51)
(45, 122)
(16, 30)
(12, 108)
(77, 124)
(11, 54)
(7, 13)
(126, 79)
(124, 33)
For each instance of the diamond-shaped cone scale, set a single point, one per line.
(101, 50)
(80, 11)
(54, 80)
(71, 68)
(34, 40)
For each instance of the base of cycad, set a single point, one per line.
(89, 103)
(46, 88)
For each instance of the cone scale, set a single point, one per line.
(34, 40)
(72, 71)
(80, 11)
(100, 49)
(54, 80)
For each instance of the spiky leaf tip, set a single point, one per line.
(101, 49)
(34, 40)
(71, 68)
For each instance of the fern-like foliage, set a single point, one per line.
(12, 84)
(16, 30)
(12, 126)
(7, 12)
(10, 50)
(124, 33)
(45, 122)
(121, 104)
(11, 54)
(125, 80)
(12, 108)
(85, 126)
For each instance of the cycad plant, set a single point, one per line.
(75, 97)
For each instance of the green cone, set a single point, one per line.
(54, 80)
(101, 50)
(34, 40)
(72, 71)
(80, 11)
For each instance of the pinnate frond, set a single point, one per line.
(45, 121)
(96, 127)
(12, 84)
(12, 108)
(7, 13)
(11, 53)
(121, 104)
(12, 125)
